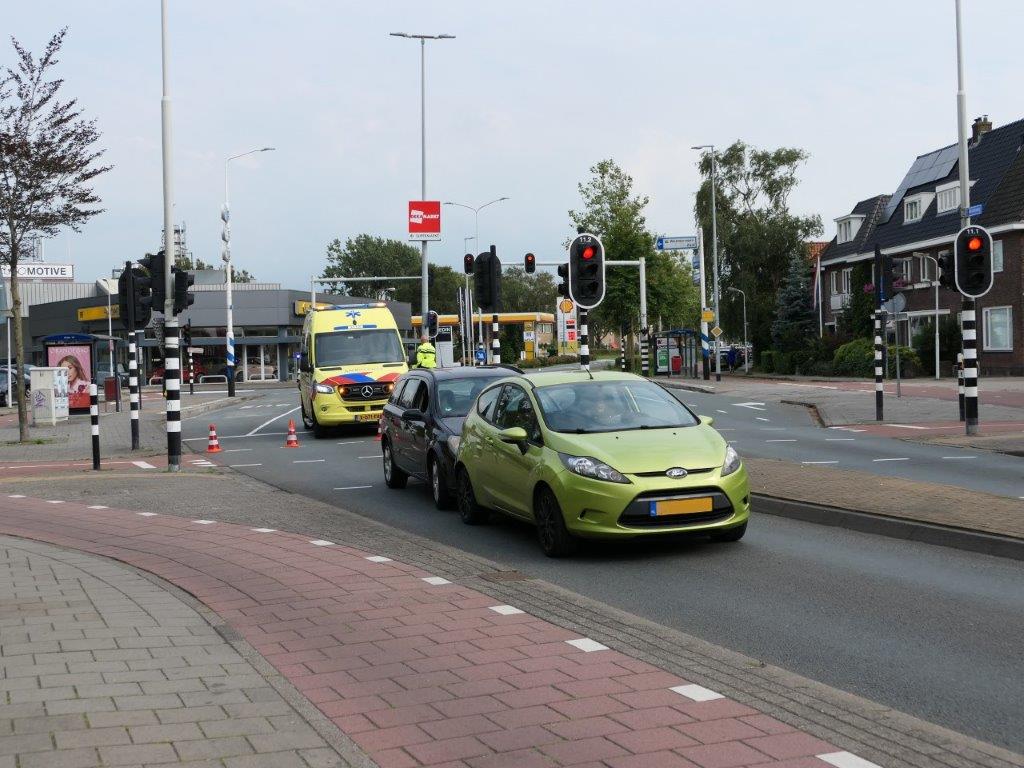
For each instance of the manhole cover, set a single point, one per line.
(505, 576)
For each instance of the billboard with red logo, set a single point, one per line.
(424, 219)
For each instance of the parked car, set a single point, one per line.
(6, 400)
(602, 455)
(422, 421)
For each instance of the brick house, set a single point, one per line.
(920, 220)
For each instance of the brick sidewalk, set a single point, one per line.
(419, 670)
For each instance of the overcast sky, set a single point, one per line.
(526, 98)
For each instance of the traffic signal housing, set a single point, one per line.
(154, 263)
(183, 297)
(563, 274)
(530, 262)
(586, 270)
(972, 253)
(946, 270)
(467, 263)
(133, 299)
(186, 334)
(432, 324)
(892, 276)
(487, 280)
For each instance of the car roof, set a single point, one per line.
(550, 378)
(468, 372)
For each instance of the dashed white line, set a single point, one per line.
(696, 692)
(378, 559)
(819, 462)
(782, 440)
(375, 456)
(840, 439)
(587, 645)
(263, 530)
(96, 506)
(759, 418)
(846, 760)
(901, 458)
(435, 580)
(308, 461)
(204, 522)
(15, 496)
(506, 610)
(239, 450)
(146, 514)
(237, 466)
(352, 487)
(354, 442)
(720, 411)
(322, 543)
(54, 501)
(950, 458)
(143, 465)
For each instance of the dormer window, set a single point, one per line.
(948, 197)
(847, 228)
(915, 206)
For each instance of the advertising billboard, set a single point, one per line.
(77, 359)
(424, 219)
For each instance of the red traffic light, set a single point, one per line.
(588, 253)
(467, 263)
(974, 244)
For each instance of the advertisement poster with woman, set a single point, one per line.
(77, 359)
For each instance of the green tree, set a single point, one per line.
(612, 211)
(856, 320)
(48, 163)
(794, 325)
(522, 292)
(758, 236)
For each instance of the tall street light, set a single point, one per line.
(423, 149)
(714, 246)
(746, 352)
(225, 216)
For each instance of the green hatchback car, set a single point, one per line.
(597, 455)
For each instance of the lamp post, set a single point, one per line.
(935, 284)
(476, 238)
(714, 247)
(225, 216)
(467, 314)
(423, 149)
(746, 352)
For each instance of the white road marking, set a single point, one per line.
(435, 580)
(379, 559)
(506, 610)
(316, 461)
(143, 465)
(902, 458)
(54, 501)
(587, 645)
(239, 466)
(759, 418)
(846, 760)
(782, 440)
(948, 458)
(773, 429)
(353, 442)
(696, 692)
(322, 543)
(353, 487)
(849, 429)
(15, 496)
(752, 406)
(375, 456)
(146, 514)
(725, 429)
(100, 506)
(237, 437)
(819, 462)
(263, 530)
(239, 450)
(833, 439)
(911, 426)
(721, 411)
(204, 522)
(271, 421)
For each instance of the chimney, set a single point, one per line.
(982, 125)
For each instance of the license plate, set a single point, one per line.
(367, 416)
(681, 506)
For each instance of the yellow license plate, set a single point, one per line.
(367, 416)
(681, 506)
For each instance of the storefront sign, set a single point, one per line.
(85, 314)
(35, 270)
(424, 219)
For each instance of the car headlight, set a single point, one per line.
(732, 461)
(324, 389)
(453, 444)
(588, 467)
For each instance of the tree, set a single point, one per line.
(613, 212)
(48, 162)
(794, 323)
(522, 292)
(758, 236)
(856, 319)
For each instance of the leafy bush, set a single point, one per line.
(768, 361)
(820, 368)
(855, 358)
(910, 363)
(784, 363)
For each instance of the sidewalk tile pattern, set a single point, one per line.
(420, 673)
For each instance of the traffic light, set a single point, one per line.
(892, 276)
(467, 263)
(530, 262)
(972, 252)
(153, 263)
(563, 274)
(432, 324)
(586, 270)
(183, 298)
(946, 270)
(186, 334)
(487, 280)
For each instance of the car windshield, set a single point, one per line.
(456, 396)
(611, 406)
(357, 347)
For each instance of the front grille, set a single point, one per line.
(637, 513)
(354, 392)
(661, 472)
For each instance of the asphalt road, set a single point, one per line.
(779, 431)
(930, 631)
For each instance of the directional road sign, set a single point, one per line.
(716, 331)
(975, 210)
(679, 243)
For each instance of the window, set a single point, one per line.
(845, 231)
(397, 393)
(833, 287)
(455, 396)
(925, 267)
(485, 403)
(997, 255)
(516, 410)
(414, 392)
(912, 210)
(358, 347)
(847, 278)
(905, 270)
(948, 197)
(998, 329)
(611, 406)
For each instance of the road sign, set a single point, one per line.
(707, 316)
(424, 219)
(679, 243)
(975, 210)
(480, 355)
(716, 331)
(85, 314)
(195, 350)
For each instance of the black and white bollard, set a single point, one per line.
(584, 341)
(495, 340)
(960, 383)
(967, 320)
(133, 388)
(94, 424)
(645, 352)
(172, 382)
(622, 350)
(879, 391)
(191, 374)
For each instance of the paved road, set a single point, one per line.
(778, 431)
(930, 631)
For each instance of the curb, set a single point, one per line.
(812, 407)
(894, 528)
(703, 389)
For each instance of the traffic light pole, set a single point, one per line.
(584, 340)
(133, 366)
(879, 387)
(171, 371)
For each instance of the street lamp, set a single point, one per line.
(935, 284)
(746, 351)
(714, 246)
(476, 237)
(423, 149)
(225, 215)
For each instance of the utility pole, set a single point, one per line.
(714, 252)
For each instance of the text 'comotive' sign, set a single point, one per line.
(37, 271)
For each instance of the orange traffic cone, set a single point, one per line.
(292, 441)
(213, 446)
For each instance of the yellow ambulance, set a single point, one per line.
(350, 357)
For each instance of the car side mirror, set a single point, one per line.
(514, 436)
(304, 362)
(412, 414)
(707, 421)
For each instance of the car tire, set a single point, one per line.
(393, 476)
(469, 510)
(555, 539)
(730, 534)
(319, 430)
(438, 484)
(306, 421)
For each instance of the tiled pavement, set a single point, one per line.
(417, 670)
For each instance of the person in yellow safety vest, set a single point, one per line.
(426, 355)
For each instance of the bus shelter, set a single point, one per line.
(677, 353)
